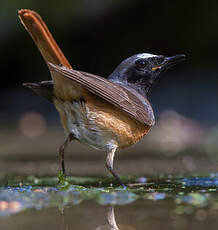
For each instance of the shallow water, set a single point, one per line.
(161, 203)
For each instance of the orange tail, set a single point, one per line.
(64, 88)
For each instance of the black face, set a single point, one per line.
(142, 70)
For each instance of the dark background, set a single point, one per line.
(95, 36)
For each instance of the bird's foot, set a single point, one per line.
(62, 180)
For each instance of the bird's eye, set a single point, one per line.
(159, 61)
(140, 64)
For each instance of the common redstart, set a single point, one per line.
(106, 114)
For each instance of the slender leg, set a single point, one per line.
(109, 164)
(62, 149)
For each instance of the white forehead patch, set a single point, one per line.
(146, 55)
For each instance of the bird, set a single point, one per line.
(105, 113)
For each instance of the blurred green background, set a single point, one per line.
(95, 36)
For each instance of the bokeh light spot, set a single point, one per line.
(32, 124)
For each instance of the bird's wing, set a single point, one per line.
(135, 105)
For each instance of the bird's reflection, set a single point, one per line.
(112, 224)
(64, 225)
(110, 216)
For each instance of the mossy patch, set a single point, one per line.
(42, 192)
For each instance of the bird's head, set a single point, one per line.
(141, 71)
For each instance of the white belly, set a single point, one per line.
(81, 123)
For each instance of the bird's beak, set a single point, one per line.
(169, 62)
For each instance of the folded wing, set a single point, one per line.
(132, 103)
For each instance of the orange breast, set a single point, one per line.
(125, 130)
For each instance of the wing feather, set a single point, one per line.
(132, 103)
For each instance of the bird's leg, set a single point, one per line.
(62, 148)
(109, 164)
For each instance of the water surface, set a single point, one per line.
(162, 203)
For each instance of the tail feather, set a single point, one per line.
(42, 37)
(63, 88)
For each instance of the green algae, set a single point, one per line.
(187, 193)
